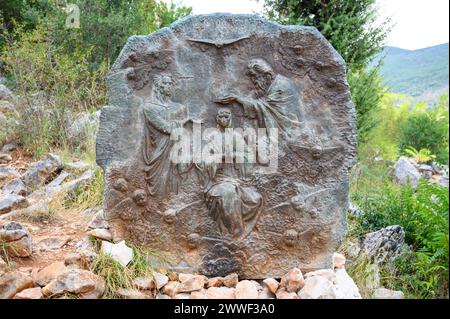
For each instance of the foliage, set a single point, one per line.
(117, 276)
(348, 25)
(423, 213)
(422, 156)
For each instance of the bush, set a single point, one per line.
(423, 213)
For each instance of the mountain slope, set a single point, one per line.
(422, 72)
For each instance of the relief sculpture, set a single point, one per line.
(227, 148)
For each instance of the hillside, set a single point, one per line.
(420, 73)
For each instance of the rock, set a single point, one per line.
(5, 158)
(345, 287)
(98, 221)
(5, 93)
(383, 293)
(191, 283)
(173, 276)
(15, 187)
(144, 283)
(132, 294)
(3, 266)
(246, 289)
(326, 273)
(171, 288)
(338, 260)
(83, 283)
(120, 252)
(53, 186)
(353, 210)
(7, 173)
(293, 281)
(100, 233)
(52, 243)
(9, 202)
(42, 171)
(30, 293)
(283, 294)
(404, 171)
(384, 244)
(183, 295)
(162, 296)
(272, 284)
(199, 294)
(268, 59)
(49, 273)
(317, 287)
(231, 280)
(7, 148)
(14, 282)
(160, 280)
(215, 282)
(18, 240)
(220, 293)
(76, 166)
(266, 294)
(87, 251)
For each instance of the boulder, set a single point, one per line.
(7, 173)
(283, 294)
(317, 287)
(338, 260)
(383, 293)
(345, 287)
(3, 266)
(49, 273)
(124, 293)
(30, 293)
(199, 294)
(189, 283)
(404, 171)
(384, 244)
(98, 221)
(220, 293)
(272, 284)
(246, 289)
(14, 282)
(231, 280)
(15, 187)
(120, 252)
(83, 283)
(326, 273)
(9, 202)
(265, 293)
(18, 240)
(293, 281)
(183, 295)
(160, 280)
(171, 288)
(215, 282)
(83, 126)
(144, 283)
(52, 243)
(100, 233)
(43, 171)
(5, 158)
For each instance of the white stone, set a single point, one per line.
(345, 287)
(120, 252)
(383, 293)
(338, 260)
(317, 287)
(404, 171)
(100, 233)
(246, 289)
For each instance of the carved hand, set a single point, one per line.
(226, 99)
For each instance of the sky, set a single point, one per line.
(417, 23)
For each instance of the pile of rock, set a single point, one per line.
(29, 191)
(407, 168)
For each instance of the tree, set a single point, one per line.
(350, 28)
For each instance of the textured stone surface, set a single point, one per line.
(50, 272)
(83, 283)
(43, 171)
(384, 244)
(345, 287)
(383, 293)
(237, 71)
(404, 171)
(30, 293)
(14, 282)
(246, 289)
(9, 202)
(18, 240)
(317, 287)
(15, 186)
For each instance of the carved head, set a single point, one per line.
(224, 118)
(290, 237)
(121, 185)
(260, 73)
(163, 85)
(140, 197)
